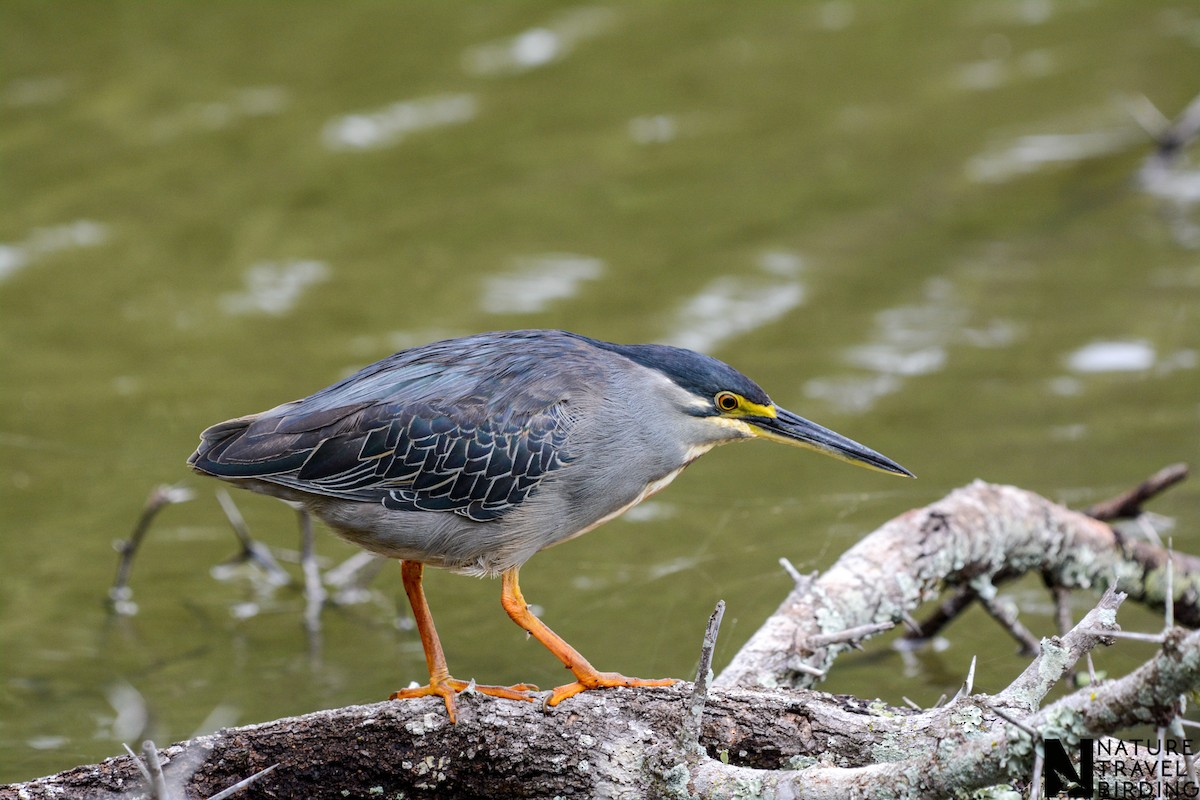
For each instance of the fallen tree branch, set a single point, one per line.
(623, 743)
(982, 532)
(1129, 504)
(787, 742)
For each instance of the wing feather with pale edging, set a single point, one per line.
(390, 435)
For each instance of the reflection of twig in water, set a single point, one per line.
(120, 595)
(349, 579)
(314, 592)
(1160, 174)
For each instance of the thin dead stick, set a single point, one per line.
(1007, 617)
(809, 670)
(1179, 134)
(1169, 597)
(1062, 609)
(160, 497)
(792, 572)
(252, 551)
(1011, 720)
(947, 611)
(1153, 638)
(1035, 782)
(690, 734)
(850, 636)
(158, 782)
(242, 784)
(314, 592)
(968, 684)
(137, 762)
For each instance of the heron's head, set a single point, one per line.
(730, 406)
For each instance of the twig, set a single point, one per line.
(158, 783)
(1147, 528)
(1181, 132)
(1011, 720)
(808, 669)
(119, 596)
(1035, 782)
(242, 784)
(1062, 609)
(1169, 595)
(1006, 615)
(849, 636)
(314, 592)
(910, 624)
(252, 551)
(946, 612)
(792, 572)
(968, 684)
(1061, 653)
(1146, 114)
(690, 734)
(137, 762)
(1129, 504)
(1156, 638)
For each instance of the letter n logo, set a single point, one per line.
(1060, 774)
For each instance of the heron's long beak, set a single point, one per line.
(789, 428)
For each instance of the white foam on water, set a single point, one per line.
(274, 288)
(536, 282)
(390, 125)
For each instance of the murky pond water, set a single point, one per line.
(917, 223)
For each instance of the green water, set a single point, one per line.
(916, 223)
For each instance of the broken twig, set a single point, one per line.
(120, 596)
(1129, 504)
(690, 734)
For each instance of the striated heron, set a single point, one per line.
(473, 454)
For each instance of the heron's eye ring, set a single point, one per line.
(727, 401)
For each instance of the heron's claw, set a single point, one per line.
(447, 688)
(600, 680)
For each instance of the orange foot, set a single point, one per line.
(446, 688)
(601, 680)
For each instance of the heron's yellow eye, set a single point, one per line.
(727, 401)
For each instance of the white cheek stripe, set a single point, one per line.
(733, 424)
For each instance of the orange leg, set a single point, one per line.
(586, 676)
(440, 682)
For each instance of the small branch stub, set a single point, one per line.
(690, 735)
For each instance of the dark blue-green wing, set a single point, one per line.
(424, 436)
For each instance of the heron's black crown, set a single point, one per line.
(699, 374)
